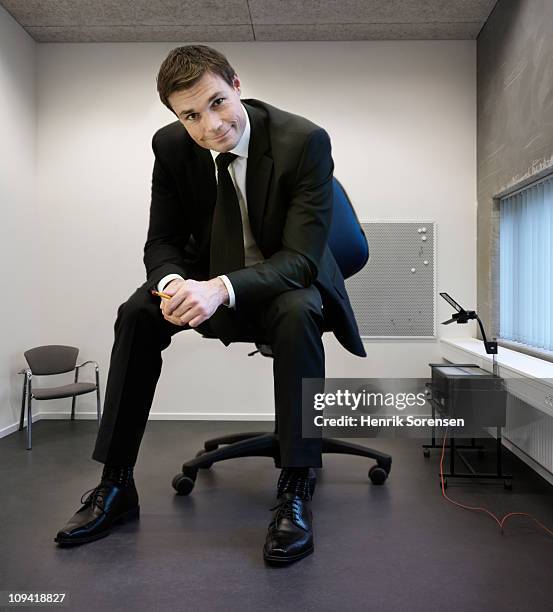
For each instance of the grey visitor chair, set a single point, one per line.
(48, 360)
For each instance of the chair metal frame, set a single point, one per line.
(27, 396)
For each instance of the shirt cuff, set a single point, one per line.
(231, 296)
(166, 280)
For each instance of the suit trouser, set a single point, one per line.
(293, 325)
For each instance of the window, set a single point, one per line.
(526, 265)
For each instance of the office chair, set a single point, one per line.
(350, 248)
(54, 359)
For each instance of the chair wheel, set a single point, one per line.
(184, 483)
(199, 454)
(378, 475)
(426, 452)
(507, 484)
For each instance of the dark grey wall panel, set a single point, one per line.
(393, 296)
(515, 121)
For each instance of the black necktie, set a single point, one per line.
(227, 240)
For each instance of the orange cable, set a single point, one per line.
(501, 521)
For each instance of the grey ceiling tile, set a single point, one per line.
(64, 12)
(183, 34)
(368, 11)
(192, 12)
(127, 12)
(212, 20)
(406, 31)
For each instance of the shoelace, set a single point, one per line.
(287, 508)
(96, 497)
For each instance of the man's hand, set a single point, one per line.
(192, 302)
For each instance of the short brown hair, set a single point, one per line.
(184, 66)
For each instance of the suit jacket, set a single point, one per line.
(289, 196)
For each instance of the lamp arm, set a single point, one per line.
(482, 329)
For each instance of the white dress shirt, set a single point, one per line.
(237, 171)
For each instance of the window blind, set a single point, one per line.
(526, 270)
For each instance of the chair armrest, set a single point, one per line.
(80, 365)
(97, 374)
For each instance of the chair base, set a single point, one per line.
(259, 444)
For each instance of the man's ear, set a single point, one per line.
(236, 83)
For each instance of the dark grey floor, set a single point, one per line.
(396, 547)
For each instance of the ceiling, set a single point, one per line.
(248, 20)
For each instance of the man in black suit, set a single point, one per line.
(239, 220)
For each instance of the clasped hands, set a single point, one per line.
(192, 302)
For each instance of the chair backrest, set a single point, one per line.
(346, 239)
(51, 359)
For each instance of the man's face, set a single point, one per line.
(211, 112)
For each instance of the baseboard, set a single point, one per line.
(154, 416)
(6, 431)
(173, 416)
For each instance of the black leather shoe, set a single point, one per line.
(290, 534)
(108, 503)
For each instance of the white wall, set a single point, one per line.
(19, 233)
(402, 120)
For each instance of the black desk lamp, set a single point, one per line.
(463, 316)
